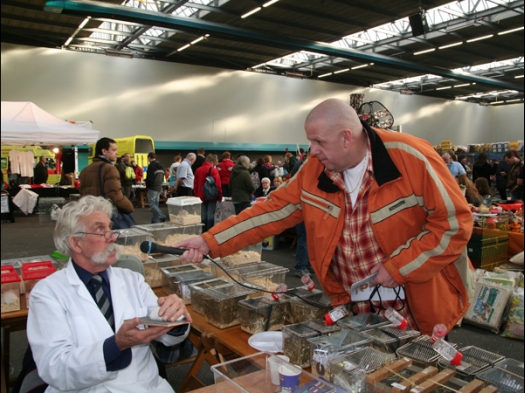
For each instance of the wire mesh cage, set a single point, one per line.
(390, 338)
(506, 375)
(420, 351)
(363, 322)
(474, 361)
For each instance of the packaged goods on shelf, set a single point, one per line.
(488, 306)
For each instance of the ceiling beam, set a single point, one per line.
(97, 9)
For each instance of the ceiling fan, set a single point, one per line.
(376, 115)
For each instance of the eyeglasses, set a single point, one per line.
(108, 235)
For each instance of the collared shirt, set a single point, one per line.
(456, 169)
(185, 172)
(358, 251)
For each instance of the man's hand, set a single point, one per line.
(129, 336)
(383, 277)
(172, 307)
(196, 247)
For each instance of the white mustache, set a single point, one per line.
(101, 257)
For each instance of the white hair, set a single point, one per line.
(191, 156)
(266, 179)
(69, 219)
(244, 161)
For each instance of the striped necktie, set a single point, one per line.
(102, 300)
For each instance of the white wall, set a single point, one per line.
(178, 102)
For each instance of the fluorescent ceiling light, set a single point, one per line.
(184, 47)
(251, 13)
(497, 102)
(84, 22)
(444, 88)
(360, 66)
(270, 3)
(481, 38)
(511, 31)
(68, 41)
(197, 40)
(424, 51)
(516, 100)
(451, 45)
(518, 76)
(341, 71)
(324, 75)
(463, 85)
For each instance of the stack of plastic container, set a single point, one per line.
(34, 272)
(263, 314)
(10, 289)
(184, 210)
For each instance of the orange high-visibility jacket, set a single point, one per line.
(419, 217)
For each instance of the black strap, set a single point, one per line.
(102, 193)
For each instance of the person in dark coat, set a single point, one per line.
(241, 185)
(154, 181)
(40, 172)
(482, 168)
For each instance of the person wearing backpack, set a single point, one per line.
(208, 189)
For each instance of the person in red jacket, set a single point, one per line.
(139, 172)
(208, 206)
(225, 170)
(375, 203)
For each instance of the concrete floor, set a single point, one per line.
(31, 236)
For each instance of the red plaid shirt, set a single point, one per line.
(358, 252)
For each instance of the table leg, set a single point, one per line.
(205, 346)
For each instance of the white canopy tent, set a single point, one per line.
(24, 123)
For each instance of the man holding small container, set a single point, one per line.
(83, 324)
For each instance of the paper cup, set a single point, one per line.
(274, 362)
(289, 376)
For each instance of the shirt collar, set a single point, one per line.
(85, 276)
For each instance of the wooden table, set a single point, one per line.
(11, 322)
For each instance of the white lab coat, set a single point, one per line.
(66, 331)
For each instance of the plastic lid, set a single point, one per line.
(457, 359)
(328, 319)
(184, 201)
(403, 324)
(37, 270)
(9, 274)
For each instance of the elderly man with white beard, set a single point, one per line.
(83, 324)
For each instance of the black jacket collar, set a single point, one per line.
(384, 168)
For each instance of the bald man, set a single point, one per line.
(373, 202)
